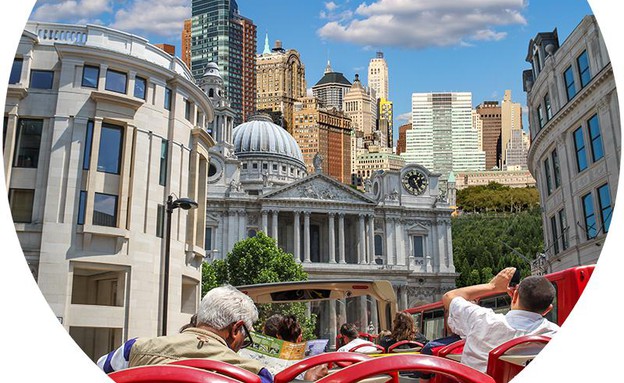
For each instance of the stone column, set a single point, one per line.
(361, 240)
(265, 222)
(333, 326)
(341, 238)
(404, 297)
(332, 239)
(242, 224)
(232, 223)
(371, 239)
(390, 250)
(400, 247)
(306, 236)
(297, 236)
(274, 216)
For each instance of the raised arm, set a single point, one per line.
(499, 284)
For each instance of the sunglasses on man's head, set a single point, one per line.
(248, 339)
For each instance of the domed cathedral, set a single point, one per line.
(399, 229)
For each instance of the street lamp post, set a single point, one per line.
(185, 204)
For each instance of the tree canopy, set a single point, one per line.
(498, 198)
(259, 260)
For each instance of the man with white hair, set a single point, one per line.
(224, 321)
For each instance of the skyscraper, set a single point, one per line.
(280, 82)
(511, 119)
(442, 137)
(186, 42)
(378, 76)
(220, 34)
(489, 113)
(326, 132)
(378, 81)
(331, 88)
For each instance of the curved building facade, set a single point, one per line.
(575, 152)
(100, 128)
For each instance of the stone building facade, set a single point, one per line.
(575, 142)
(101, 127)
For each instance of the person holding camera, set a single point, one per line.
(484, 329)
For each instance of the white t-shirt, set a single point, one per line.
(485, 330)
(356, 342)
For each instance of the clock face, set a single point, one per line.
(415, 182)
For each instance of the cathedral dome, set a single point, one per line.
(269, 155)
(261, 135)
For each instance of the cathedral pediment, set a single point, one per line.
(321, 188)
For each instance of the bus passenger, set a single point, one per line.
(485, 330)
(403, 328)
(224, 321)
(350, 334)
(271, 325)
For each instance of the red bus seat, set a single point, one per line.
(164, 373)
(222, 368)
(508, 359)
(412, 346)
(338, 358)
(391, 365)
(380, 349)
(452, 351)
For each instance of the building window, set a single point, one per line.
(21, 203)
(595, 138)
(208, 239)
(548, 107)
(187, 110)
(160, 220)
(568, 77)
(548, 176)
(590, 217)
(167, 99)
(86, 160)
(16, 71)
(540, 116)
(583, 67)
(140, 85)
(28, 143)
(579, 146)
(556, 168)
(82, 205)
(555, 235)
(41, 79)
(109, 159)
(164, 154)
(105, 210)
(90, 76)
(116, 81)
(604, 200)
(419, 250)
(563, 225)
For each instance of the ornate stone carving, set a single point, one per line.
(252, 219)
(318, 163)
(393, 195)
(421, 222)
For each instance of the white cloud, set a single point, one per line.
(406, 117)
(162, 18)
(420, 24)
(66, 10)
(330, 6)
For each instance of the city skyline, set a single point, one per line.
(427, 59)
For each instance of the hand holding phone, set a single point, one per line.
(515, 280)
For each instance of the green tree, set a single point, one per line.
(259, 260)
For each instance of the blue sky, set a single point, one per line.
(476, 46)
